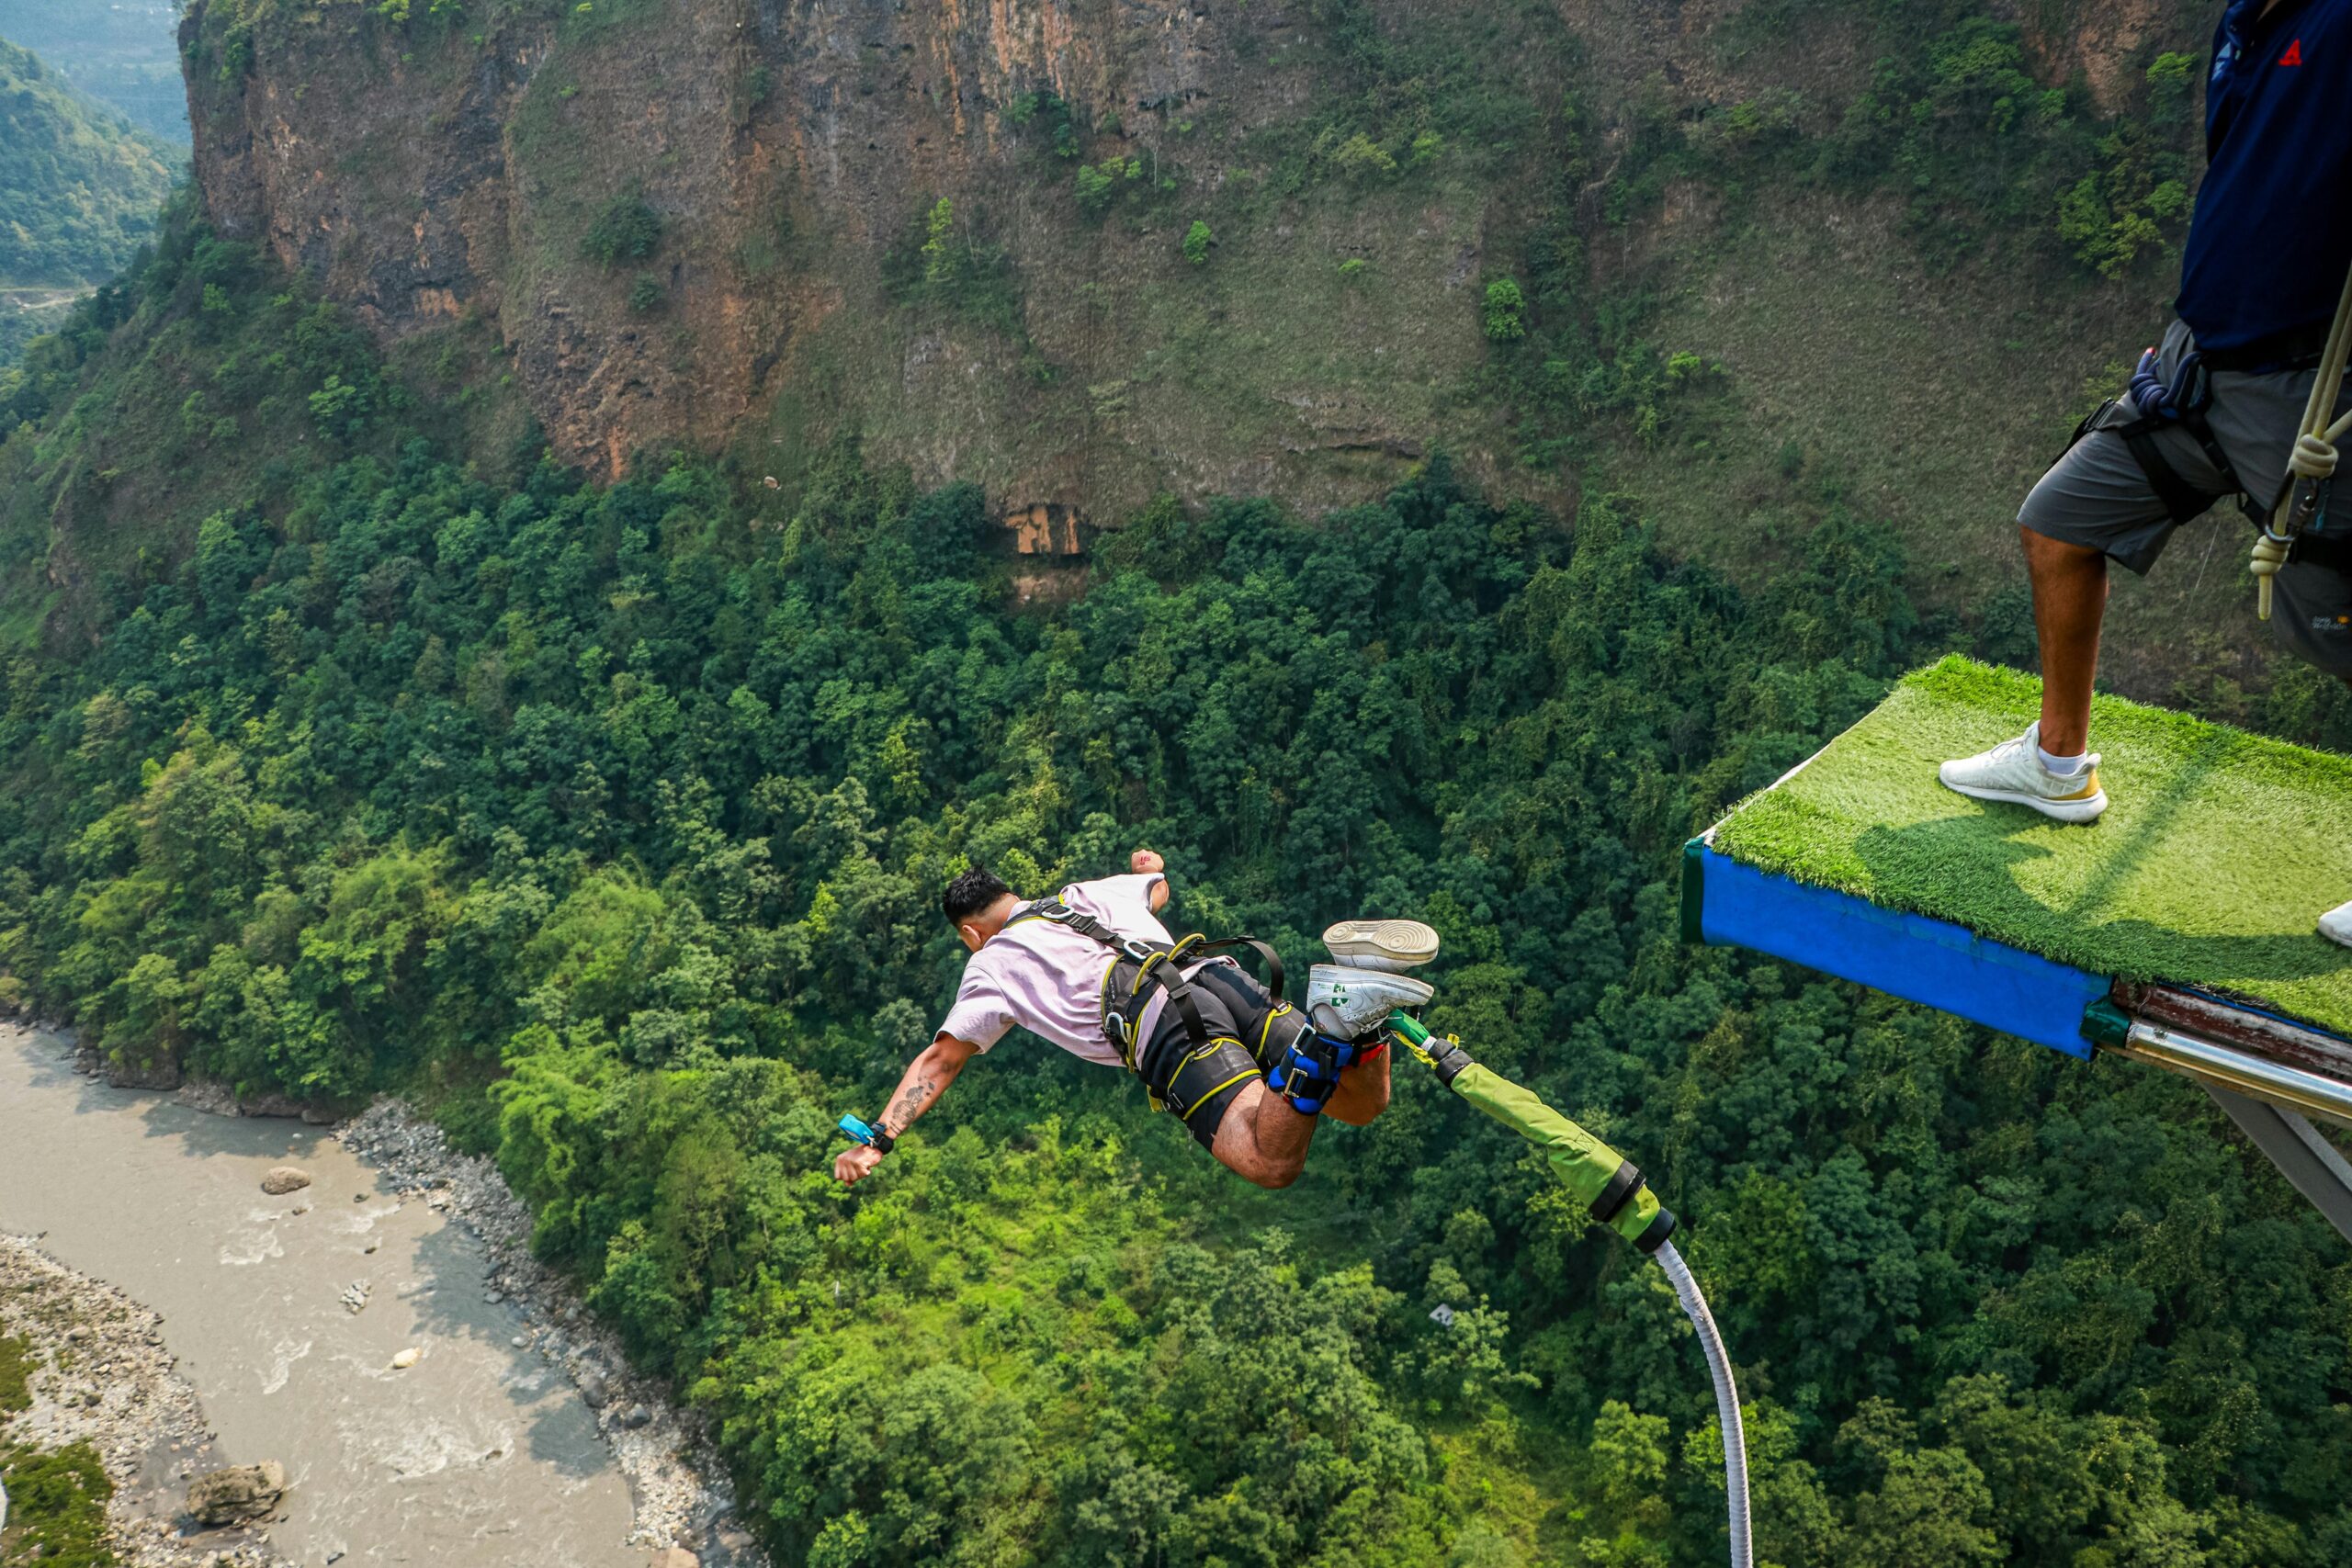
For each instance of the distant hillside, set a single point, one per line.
(80, 187)
(79, 192)
(125, 53)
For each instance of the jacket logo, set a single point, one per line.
(2294, 55)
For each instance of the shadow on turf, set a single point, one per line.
(1976, 854)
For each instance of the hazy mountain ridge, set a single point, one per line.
(124, 53)
(80, 190)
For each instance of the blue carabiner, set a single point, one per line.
(858, 1131)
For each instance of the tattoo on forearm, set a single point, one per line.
(911, 1100)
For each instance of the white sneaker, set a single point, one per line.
(1352, 1003)
(2337, 924)
(1393, 945)
(2012, 772)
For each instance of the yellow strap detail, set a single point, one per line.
(1238, 1077)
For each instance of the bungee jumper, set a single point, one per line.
(1094, 971)
(2244, 397)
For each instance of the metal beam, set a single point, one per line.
(2303, 1157)
(2211, 1062)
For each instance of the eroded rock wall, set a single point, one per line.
(442, 176)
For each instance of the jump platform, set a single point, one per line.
(2176, 929)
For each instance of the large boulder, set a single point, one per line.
(675, 1557)
(159, 1071)
(237, 1495)
(285, 1178)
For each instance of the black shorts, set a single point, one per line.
(1248, 1030)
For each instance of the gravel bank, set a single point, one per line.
(674, 1477)
(103, 1378)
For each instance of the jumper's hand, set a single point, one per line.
(852, 1165)
(1144, 862)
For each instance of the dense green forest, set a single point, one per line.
(609, 821)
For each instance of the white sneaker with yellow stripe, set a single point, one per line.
(2013, 772)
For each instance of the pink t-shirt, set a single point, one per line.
(1047, 978)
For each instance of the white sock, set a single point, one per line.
(2061, 767)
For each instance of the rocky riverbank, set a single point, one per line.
(100, 1375)
(680, 1508)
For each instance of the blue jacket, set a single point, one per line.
(2272, 237)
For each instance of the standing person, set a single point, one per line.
(1094, 971)
(2213, 410)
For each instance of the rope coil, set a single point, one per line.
(2313, 460)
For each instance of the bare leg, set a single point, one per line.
(2069, 602)
(1261, 1139)
(1362, 1093)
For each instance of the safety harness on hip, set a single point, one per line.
(2178, 404)
(1139, 969)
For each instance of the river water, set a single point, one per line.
(480, 1456)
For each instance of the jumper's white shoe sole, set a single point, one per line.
(1393, 945)
(2070, 808)
(2337, 924)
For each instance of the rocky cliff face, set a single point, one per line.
(431, 174)
(777, 164)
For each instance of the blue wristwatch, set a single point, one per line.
(872, 1137)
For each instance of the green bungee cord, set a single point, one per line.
(1614, 1195)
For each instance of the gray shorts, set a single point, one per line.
(2096, 496)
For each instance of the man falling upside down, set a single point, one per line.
(1094, 971)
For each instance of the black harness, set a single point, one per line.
(2179, 405)
(1139, 968)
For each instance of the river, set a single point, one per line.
(480, 1456)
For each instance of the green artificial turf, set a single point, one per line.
(2217, 851)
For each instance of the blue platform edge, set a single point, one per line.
(1931, 962)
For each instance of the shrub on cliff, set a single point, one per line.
(628, 229)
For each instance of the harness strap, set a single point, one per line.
(1154, 966)
(1275, 978)
(2181, 498)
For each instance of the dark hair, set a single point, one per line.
(973, 890)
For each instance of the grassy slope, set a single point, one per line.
(2209, 867)
(1819, 311)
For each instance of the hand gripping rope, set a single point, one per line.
(2311, 464)
(1614, 1196)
